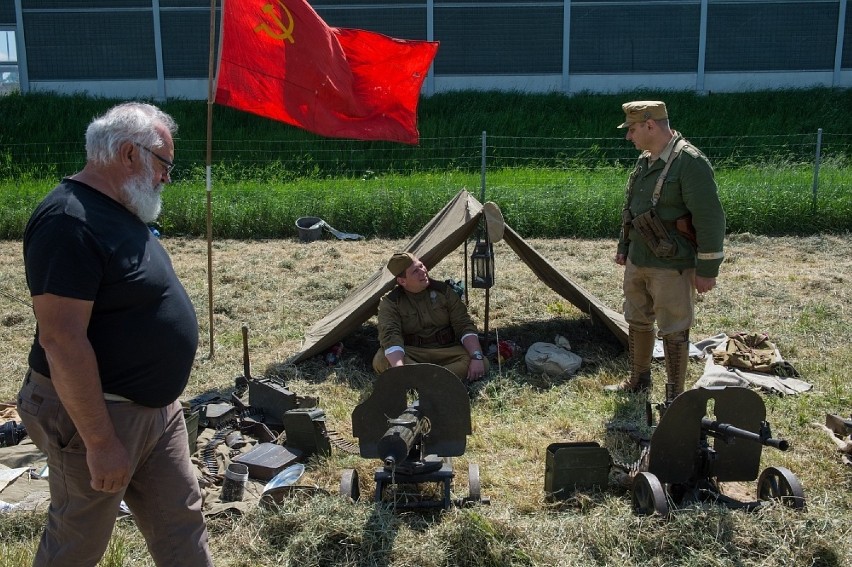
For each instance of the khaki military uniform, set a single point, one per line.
(428, 325)
(659, 278)
(661, 289)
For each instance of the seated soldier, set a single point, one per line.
(425, 321)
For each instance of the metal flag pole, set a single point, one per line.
(209, 161)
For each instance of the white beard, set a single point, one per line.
(141, 198)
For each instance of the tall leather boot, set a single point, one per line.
(640, 349)
(676, 350)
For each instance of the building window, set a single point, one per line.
(9, 80)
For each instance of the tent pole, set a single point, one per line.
(487, 296)
(481, 222)
(465, 273)
(482, 175)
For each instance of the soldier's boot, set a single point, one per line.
(640, 350)
(676, 351)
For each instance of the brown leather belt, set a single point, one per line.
(444, 337)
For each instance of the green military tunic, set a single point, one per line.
(422, 315)
(437, 311)
(689, 188)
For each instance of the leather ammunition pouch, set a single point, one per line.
(443, 337)
(684, 226)
(654, 233)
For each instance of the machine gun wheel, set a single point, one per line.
(778, 483)
(648, 496)
(349, 485)
(474, 489)
(474, 486)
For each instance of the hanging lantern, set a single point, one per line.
(482, 265)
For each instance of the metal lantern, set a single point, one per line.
(482, 265)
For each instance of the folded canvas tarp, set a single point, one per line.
(448, 230)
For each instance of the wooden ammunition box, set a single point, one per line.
(266, 460)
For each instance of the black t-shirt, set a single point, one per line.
(79, 243)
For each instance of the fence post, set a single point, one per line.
(482, 182)
(816, 169)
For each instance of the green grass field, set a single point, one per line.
(556, 166)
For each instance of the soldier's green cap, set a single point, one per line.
(399, 262)
(642, 110)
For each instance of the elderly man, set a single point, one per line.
(423, 320)
(671, 244)
(114, 345)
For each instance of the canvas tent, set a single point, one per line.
(448, 230)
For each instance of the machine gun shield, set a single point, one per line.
(443, 400)
(679, 432)
(416, 417)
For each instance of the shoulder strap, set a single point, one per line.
(658, 188)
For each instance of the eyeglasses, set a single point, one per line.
(169, 164)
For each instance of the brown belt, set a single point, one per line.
(444, 337)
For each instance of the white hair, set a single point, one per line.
(135, 122)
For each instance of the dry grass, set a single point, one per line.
(795, 289)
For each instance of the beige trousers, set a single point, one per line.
(659, 294)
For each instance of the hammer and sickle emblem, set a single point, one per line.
(286, 31)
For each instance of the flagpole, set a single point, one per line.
(209, 170)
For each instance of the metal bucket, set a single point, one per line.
(309, 228)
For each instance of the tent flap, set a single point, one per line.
(578, 296)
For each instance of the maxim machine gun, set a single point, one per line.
(690, 453)
(416, 417)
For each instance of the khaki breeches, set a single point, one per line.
(454, 358)
(659, 294)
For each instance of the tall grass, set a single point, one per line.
(535, 202)
(555, 164)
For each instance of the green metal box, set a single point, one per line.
(271, 396)
(305, 429)
(572, 466)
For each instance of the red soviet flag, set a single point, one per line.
(280, 60)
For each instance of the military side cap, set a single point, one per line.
(642, 110)
(399, 262)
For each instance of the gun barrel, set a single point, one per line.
(728, 430)
(400, 437)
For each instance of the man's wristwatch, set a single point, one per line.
(476, 355)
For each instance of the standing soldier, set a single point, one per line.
(673, 228)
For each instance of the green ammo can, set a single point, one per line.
(572, 466)
(305, 429)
